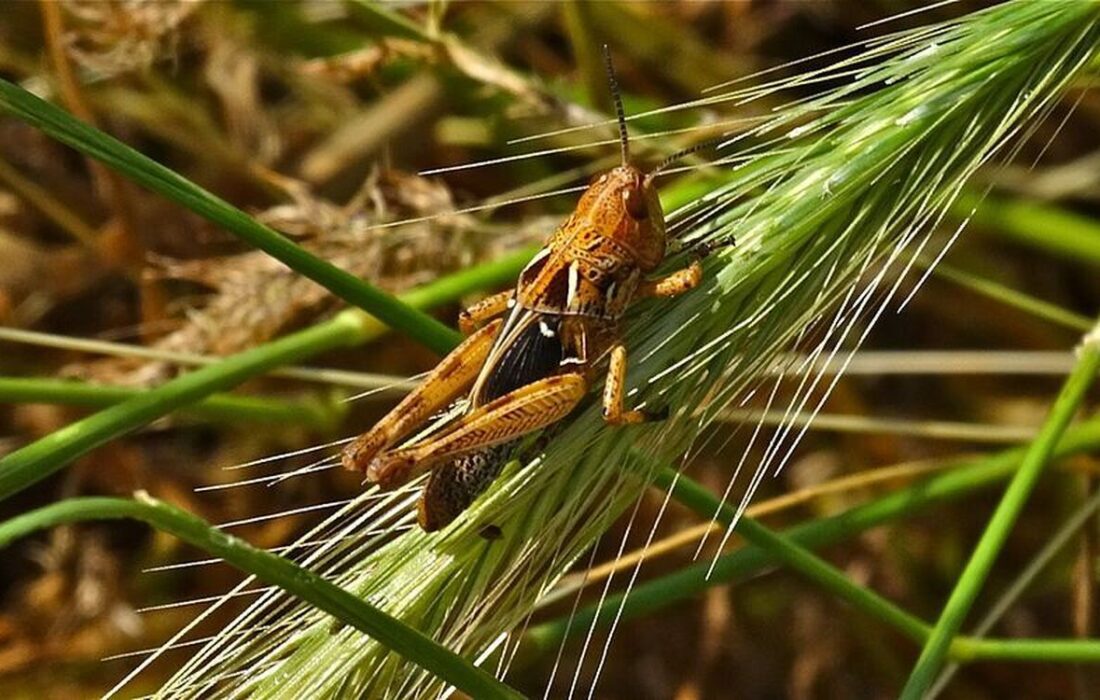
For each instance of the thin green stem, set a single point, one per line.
(440, 291)
(964, 649)
(362, 380)
(271, 569)
(1063, 651)
(1011, 297)
(695, 496)
(64, 127)
(1054, 544)
(38, 460)
(997, 531)
(487, 274)
(311, 413)
(689, 581)
(1041, 226)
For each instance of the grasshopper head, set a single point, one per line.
(625, 202)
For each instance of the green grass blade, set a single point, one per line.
(311, 413)
(1041, 226)
(271, 569)
(69, 130)
(696, 497)
(691, 580)
(997, 531)
(41, 458)
(1014, 298)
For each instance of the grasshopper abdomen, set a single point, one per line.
(454, 485)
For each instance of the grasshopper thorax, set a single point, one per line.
(622, 207)
(594, 262)
(591, 266)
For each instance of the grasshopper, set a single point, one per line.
(532, 352)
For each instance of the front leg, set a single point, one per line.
(489, 307)
(614, 389)
(525, 410)
(673, 284)
(676, 283)
(452, 376)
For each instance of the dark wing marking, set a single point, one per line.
(535, 353)
(545, 288)
(534, 267)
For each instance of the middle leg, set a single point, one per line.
(614, 389)
(674, 283)
(685, 279)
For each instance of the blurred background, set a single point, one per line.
(316, 116)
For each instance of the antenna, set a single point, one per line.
(623, 139)
(683, 153)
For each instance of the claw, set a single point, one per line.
(706, 247)
(358, 454)
(466, 323)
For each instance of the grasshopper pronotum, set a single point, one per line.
(532, 352)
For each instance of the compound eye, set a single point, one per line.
(636, 205)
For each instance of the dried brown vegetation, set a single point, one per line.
(315, 117)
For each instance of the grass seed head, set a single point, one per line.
(832, 199)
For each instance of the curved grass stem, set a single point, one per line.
(696, 497)
(116, 155)
(351, 327)
(271, 569)
(443, 290)
(309, 413)
(963, 649)
(1000, 525)
(41, 458)
(692, 580)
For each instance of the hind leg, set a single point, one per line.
(515, 414)
(452, 376)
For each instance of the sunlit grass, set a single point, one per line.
(840, 190)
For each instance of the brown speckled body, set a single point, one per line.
(532, 368)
